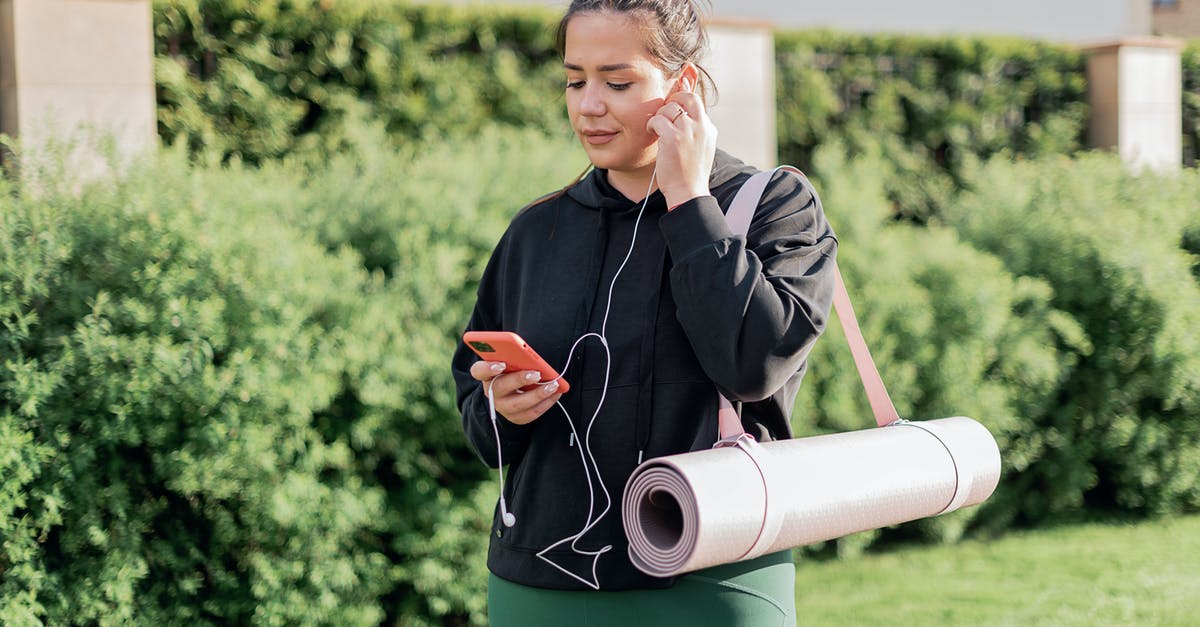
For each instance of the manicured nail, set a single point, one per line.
(552, 387)
(497, 367)
(532, 376)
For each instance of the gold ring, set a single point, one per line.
(681, 112)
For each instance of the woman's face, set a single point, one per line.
(613, 89)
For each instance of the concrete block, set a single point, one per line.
(77, 42)
(1135, 91)
(70, 69)
(742, 63)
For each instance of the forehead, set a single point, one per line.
(598, 39)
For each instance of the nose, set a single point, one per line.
(592, 101)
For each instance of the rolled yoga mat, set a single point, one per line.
(695, 510)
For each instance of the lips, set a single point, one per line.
(597, 137)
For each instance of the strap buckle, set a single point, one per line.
(742, 440)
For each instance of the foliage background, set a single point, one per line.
(261, 80)
(936, 105)
(224, 393)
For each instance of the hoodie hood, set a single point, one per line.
(595, 192)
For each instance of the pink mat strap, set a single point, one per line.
(739, 216)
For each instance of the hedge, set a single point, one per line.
(264, 79)
(162, 362)
(938, 104)
(1190, 60)
(261, 80)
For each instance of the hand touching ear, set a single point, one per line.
(687, 144)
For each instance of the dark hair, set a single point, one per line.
(672, 31)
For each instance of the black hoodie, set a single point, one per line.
(695, 310)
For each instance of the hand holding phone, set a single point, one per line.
(517, 355)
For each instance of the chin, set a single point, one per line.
(607, 160)
(602, 161)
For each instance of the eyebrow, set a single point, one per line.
(603, 68)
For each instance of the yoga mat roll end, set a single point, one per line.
(975, 455)
(982, 448)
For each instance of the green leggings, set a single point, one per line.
(761, 591)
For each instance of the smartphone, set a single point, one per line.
(516, 354)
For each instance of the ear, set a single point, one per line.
(689, 78)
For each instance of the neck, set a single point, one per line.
(633, 183)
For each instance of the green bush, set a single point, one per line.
(161, 363)
(938, 104)
(212, 411)
(1120, 432)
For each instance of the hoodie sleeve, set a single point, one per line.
(752, 306)
(472, 404)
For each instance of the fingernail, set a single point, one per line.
(497, 367)
(532, 376)
(552, 387)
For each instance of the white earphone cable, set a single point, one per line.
(591, 521)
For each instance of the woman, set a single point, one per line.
(630, 283)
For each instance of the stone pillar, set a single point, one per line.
(1135, 90)
(70, 68)
(1180, 19)
(743, 65)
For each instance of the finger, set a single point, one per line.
(510, 383)
(519, 402)
(691, 103)
(535, 410)
(486, 370)
(662, 126)
(671, 111)
(545, 404)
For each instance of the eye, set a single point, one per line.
(574, 84)
(619, 86)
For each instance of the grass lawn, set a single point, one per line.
(1143, 574)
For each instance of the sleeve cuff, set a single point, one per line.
(510, 432)
(693, 225)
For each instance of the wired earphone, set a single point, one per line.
(508, 518)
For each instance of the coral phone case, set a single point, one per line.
(516, 354)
